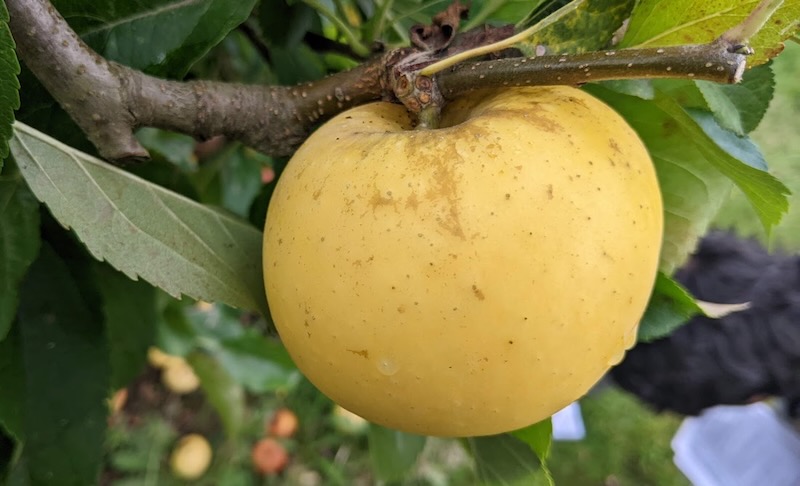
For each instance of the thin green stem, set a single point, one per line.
(380, 20)
(429, 117)
(741, 33)
(503, 44)
(398, 29)
(352, 39)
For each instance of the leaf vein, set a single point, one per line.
(678, 28)
(139, 16)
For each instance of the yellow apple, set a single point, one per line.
(191, 457)
(471, 279)
(180, 378)
(284, 424)
(269, 456)
(159, 359)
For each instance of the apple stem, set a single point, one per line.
(716, 61)
(429, 117)
(110, 101)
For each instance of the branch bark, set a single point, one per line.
(110, 101)
(716, 61)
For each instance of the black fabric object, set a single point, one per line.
(734, 360)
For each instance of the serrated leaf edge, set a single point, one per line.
(80, 158)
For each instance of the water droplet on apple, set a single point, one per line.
(387, 367)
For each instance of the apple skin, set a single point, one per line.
(179, 377)
(191, 457)
(468, 280)
(269, 456)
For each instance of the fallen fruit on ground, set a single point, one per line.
(159, 359)
(191, 457)
(179, 377)
(118, 401)
(471, 279)
(283, 424)
(269, 456)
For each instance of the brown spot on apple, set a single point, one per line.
(360, 352)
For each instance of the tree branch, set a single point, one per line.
(109, 101)
(715, 61)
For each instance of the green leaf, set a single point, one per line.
(285, 23)
(139, 449)
(737, 158)
(740, 147)
(129, 308)
(39, 110)
(297, 64)
(692, 189)
(241, 180)
(740, 107)
(737, 107)
(539, 438)
(685, 92)
(66, 375)
(142, 229)
(231, 178)
(401, 15)
(12, 382)
(588, 28)
(9, 84)
(686, 147)
(776, 136)
(176, 148)
(19, 475)
(393, 453)
(214, 321)
(501, 11)
(670, 307)
(260, 365)
(504, 460)
(659, 23)
(221, 390)
(174, 334)
(162, 173)
(19, 240)
(642, 88)
(161, 37)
